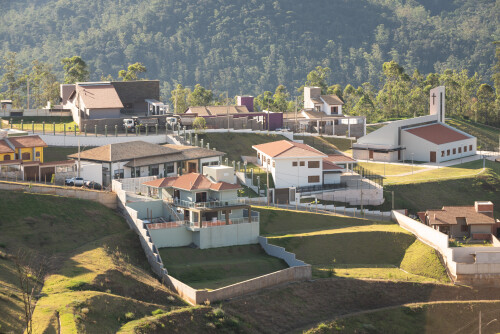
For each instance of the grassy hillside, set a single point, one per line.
(97, 275)
(350, 247)
(237, 144)
(487, 137)
(446, 187)
(446, 317)
(326, 144)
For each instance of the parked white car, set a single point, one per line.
(74, 181)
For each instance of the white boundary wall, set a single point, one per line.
(465, 265)
(193, 296)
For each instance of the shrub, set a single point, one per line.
(157, 311)
(129, 316)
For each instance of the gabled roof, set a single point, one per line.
(98, 96)
(27, 141)
(328, 165)
(191, 181)
(313, 114)
(218, 110)
(123, 151)
(437, 133)
(5, 148)
(194, 152)
(339, 158)
(332, 99)
(288, 149)
(449, 215)
(66, 91)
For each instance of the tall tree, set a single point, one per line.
(43, 84)
(281, 97)
(264, 101)
(75, 70)
(11, 79)
(132, 72)
(200, 96)
(394, 94)
(319, 78)
(486, 103)
(179, 99)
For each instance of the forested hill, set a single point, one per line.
(248, 46)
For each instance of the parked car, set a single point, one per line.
(74, 181)
(92, 185)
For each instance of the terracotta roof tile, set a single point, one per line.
(161, 183)
(11, 162)
(191, 181)
(437, 134)
(218, 110)
(339, 158)
(328, 165)
(448, 215)
(285, 148)
(27, 141)
(5, 148)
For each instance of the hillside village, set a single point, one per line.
(168, 219)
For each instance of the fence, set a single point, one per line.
(106, 198)
(194, 296)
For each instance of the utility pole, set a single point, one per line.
(78, 157)
(296, 121)
(227, 109)
(480, 329)
(267, 188)
(28, 87)
(392, 199)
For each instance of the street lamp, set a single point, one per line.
(412, 163)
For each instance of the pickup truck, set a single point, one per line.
(74, 181)
(132, 123)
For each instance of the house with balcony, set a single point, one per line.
(200, 209)
(323, 114)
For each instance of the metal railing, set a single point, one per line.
(208, 204)
(306, 189)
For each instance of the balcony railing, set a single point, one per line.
(207, 205)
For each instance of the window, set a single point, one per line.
(294, 163)
(37, 154)
(274, 164)
(459, 150)
(454, 151)
(154, 170)
(313, 164)
(6, 157)
(442, 153)
(119, 174)
(317, 108)
(26, 156)
(136, 172)
(268, 161)
(465, 149)
(169, 168)
(313, 179)
(64, 169)
(302, 163)
(214, 163)
(334, 110)
(470, 147)
(448, 152)
(258, 155)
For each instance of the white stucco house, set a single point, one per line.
(426, 138)
(139, 158)
(299, 165)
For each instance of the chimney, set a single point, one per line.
(246, 101)
(310, 92)
(484, 207)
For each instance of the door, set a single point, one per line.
(370, 155)
(192, 167)
(399, 155)
(31, 173)
(433, 156)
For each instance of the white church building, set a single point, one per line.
(425, 138)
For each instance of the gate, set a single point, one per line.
(31, 173)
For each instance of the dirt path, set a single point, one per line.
(298, 305)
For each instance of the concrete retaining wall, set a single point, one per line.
(281, 253)
(171, 237)
(108, 199)
(229, 235)
(91, 140)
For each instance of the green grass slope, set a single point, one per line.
(96, 269)
(218, 267)
(444, 317)
(422, 194)
(237, 144)
(351, 247)
(487, 137)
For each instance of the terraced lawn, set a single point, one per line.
(217, 267)
(389, 169)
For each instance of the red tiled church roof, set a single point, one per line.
(437, 134)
